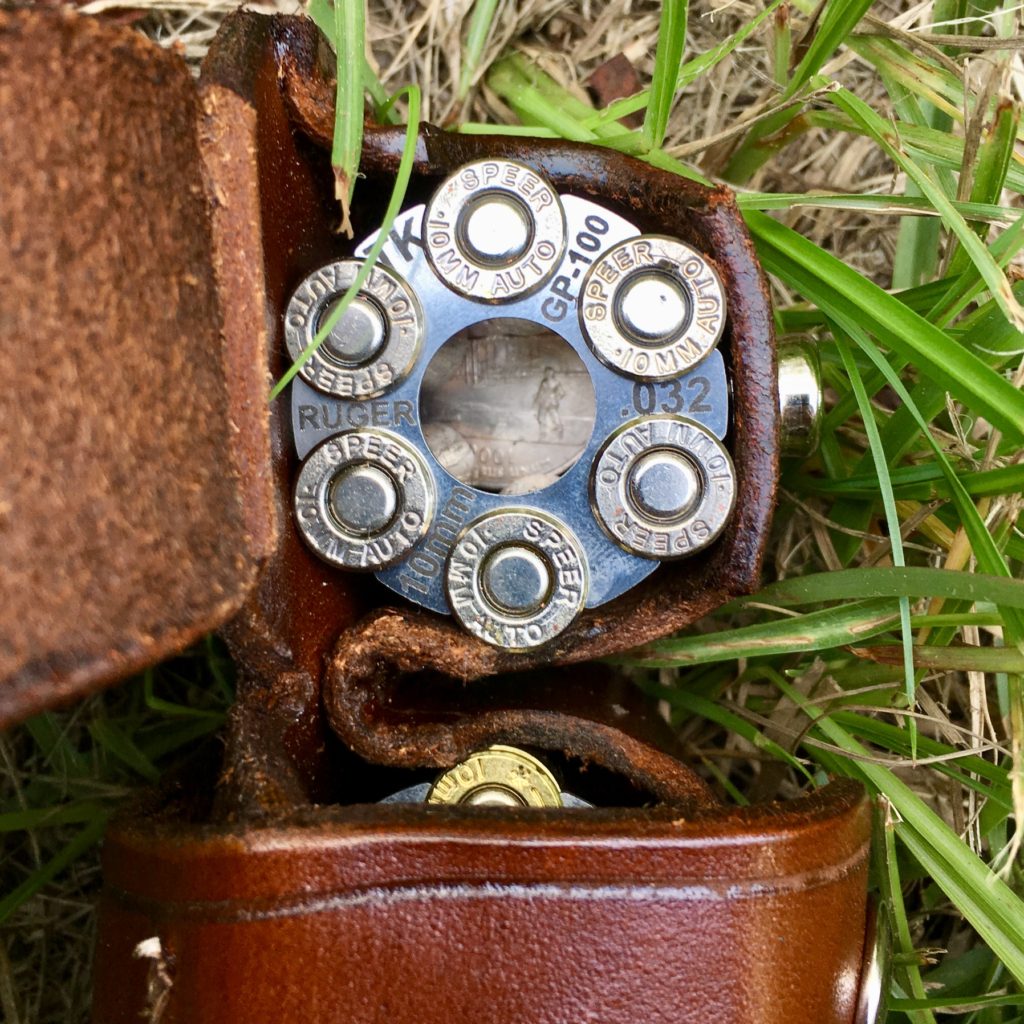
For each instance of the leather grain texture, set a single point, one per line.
(404, 915)
(134, 505)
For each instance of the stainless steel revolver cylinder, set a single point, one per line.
(522, 412)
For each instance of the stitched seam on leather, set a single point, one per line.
(227, 911)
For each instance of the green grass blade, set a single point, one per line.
(928, 145)
(815, 631)
(921, 77)
(894, 738)
(917, 248)
(782, 45)
(689, 72)
(909, 108)
(989, 557)
(987, 337)
(873, 583)
(86, 838)
(480, 23)
(515, 131)
(992, 908)
(846, 296)
(771, 134)
(402, 177)
(896, 206)
(179, 736)
(166, 707)
(991, 167)
(955, 1004)
(49, 817)
(322, 12)
(117, 744)
(959, 658)
(996, 153)
(347, 147)
(916, 259)
(881, 131)
(958, 619)
(893, 896)
(839, 19)
(667, 61)
(892, 518)
(538, 99)
(924, 482)
(715, 712)
(53, 742)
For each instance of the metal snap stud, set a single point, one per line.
(800, 399)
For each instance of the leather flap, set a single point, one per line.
(134, 503)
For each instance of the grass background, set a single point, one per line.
(875, 150)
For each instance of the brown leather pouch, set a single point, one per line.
(385, 913)
(151, 236)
